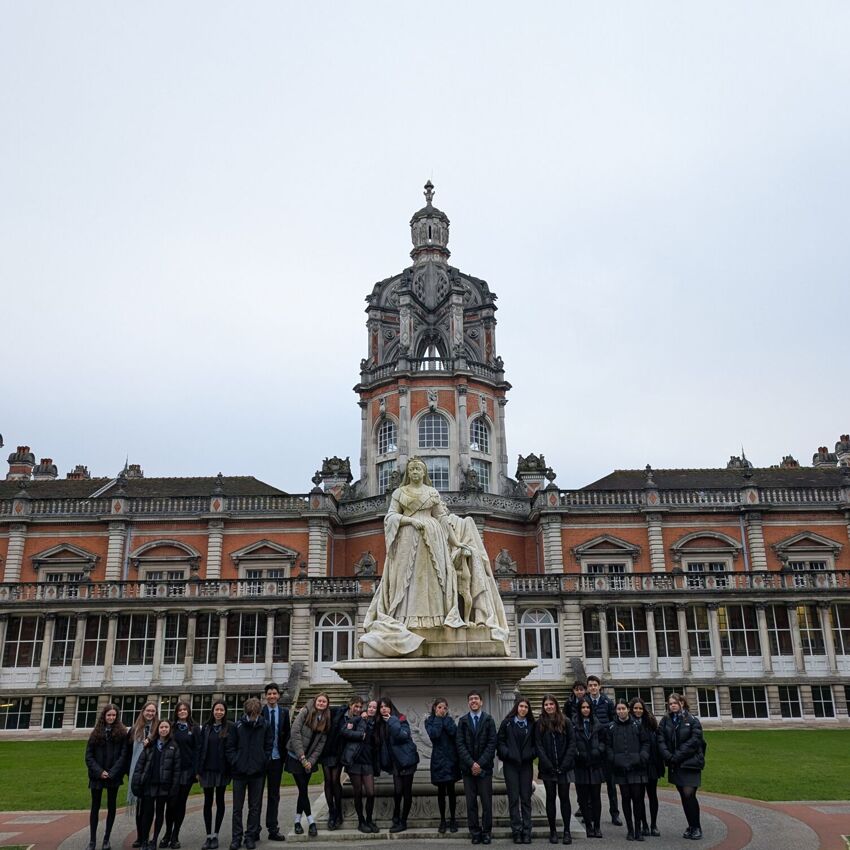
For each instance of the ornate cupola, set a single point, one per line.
(432, 383)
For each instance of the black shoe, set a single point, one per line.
(567, 837)
(235, 845)
(136, 844)
(166, 842)
(615, 819)
(214, 843)
(644, 830)
(175, 844)
(207, 844)
(597, 832)
(92, 845)
(517, 838)
(687, 833)
(442, 827)
(277, 836)
(312, 830)
(476, 838)
(630, 836)
(653, 830)
(106, 845)
(401, 826)
(373, 826)
(639, 836)
(486, 838)
(696, 834)
(553, 837)
(364, 827)
(331, 823)
(250, 844)
(526, 838)
(453, 825)
(298, 829)
(588, 831)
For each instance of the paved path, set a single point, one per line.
(729, 823)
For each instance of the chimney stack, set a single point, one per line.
(21, 463)
(46, 470)
(134, 470)
(842, 450)
(80, 473)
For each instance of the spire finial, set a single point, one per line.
(429, 192)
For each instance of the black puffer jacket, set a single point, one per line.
(590, 753)
(628, 751)
(444, 763)
(157, 771)
(681, 745)
(248, 747)
(398, 750)
(110, 753)
(513, 746)
(335, 743)
(360, 745)
(655, 765)
(556, 752)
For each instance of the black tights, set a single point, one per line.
(333, 789)
(446, 789)
(218, 794)
(302, 806)
(590, 803)
(152, 806)
(561, 792)
(363, 785)
(175, 811)
(402, 796)
(652, 796)
(690, 804)
(111, 798)
(631, 794)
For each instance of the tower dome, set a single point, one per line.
(429, 232)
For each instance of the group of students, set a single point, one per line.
(590, 742)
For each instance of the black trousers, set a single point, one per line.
(518, 785)
(590, 803)
(253, 785)
(479, 788)
(613, 808)
(273, 777)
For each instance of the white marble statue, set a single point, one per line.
(436, 566)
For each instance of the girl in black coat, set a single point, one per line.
(359, 757)
(187, 735)
(589, 766)
(556, 751)
(398, 755)
(213, 771)
(654, 767)
(628, 754)
(155, 779)
(106, 760)
(445, 770)
(331, 763)
(682, 747)
(515, 746)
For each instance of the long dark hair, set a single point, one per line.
(189, 719)
(579, 718)
(555, 723)
(649, 720)
(436, 703)
(513, 712)
(225, 723)
(98, 734)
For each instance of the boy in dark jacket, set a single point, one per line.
(603, 711)
(476, 749)
(248, 748)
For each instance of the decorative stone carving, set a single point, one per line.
(365, 565)
(505, 565)
(469, 482)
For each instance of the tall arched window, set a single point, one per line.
(433, 432)
(479, 435)
(387, 437)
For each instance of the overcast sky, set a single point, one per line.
(195, 199)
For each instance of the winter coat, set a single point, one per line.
(682, 747)
(211, 740)
(166, 780)
(188, 738)
(513, 746)
(444, 762)
(477, 746)
(359, 736)
(556, 753)
(628, 751)
(655, 765)
(398, 751)
(110, 754)
(304, 741)
(590, 753)
(248, 747)
(603, 711)
(335, 742)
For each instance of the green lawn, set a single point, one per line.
(788, 764)
(38, 775)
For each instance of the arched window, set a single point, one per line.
(433, 432)
(387, 437)
(538, 641)
(334, 641)
(479, 435)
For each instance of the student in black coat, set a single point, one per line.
(476, 750)
(277, 718)
(106, 760)
(187, 735)
(445, 770)
(556, 752)
(399, 756)
(590, 766)
(577, 694)
(359, 755)
(515, 746)
(155, 779)
(654, 767)
(682, 746)
(628, 755)
(603, 710)
(248, 747)
(213, 771)
(331, 762)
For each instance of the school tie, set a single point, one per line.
(587, 728)
(474, 722)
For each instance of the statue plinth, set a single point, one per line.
(470, 642)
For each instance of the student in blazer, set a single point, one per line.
(476, 750)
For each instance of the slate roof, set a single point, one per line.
(236, 485)
(697, 479)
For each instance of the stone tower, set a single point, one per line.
(432, 383)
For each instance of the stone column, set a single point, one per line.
(46, 648)
(215, 539)
(301, 637)
(364, 440)
(572, 631)
(553, 544)
(796, 641)
(656, 543)
(79, 640)
(650, 637)
(109, 655)
(403, 427)
(502, 469)
(755, 539)
(189, 655)
(463, 427)
(317, 551)
(15, 552)
(828, 637)
(269, 656)
(158, 648)
(603, 641)
(511, 615)
(714, 637)
(764, 638)
(684, 643)
(115, 551)
(221, 648)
